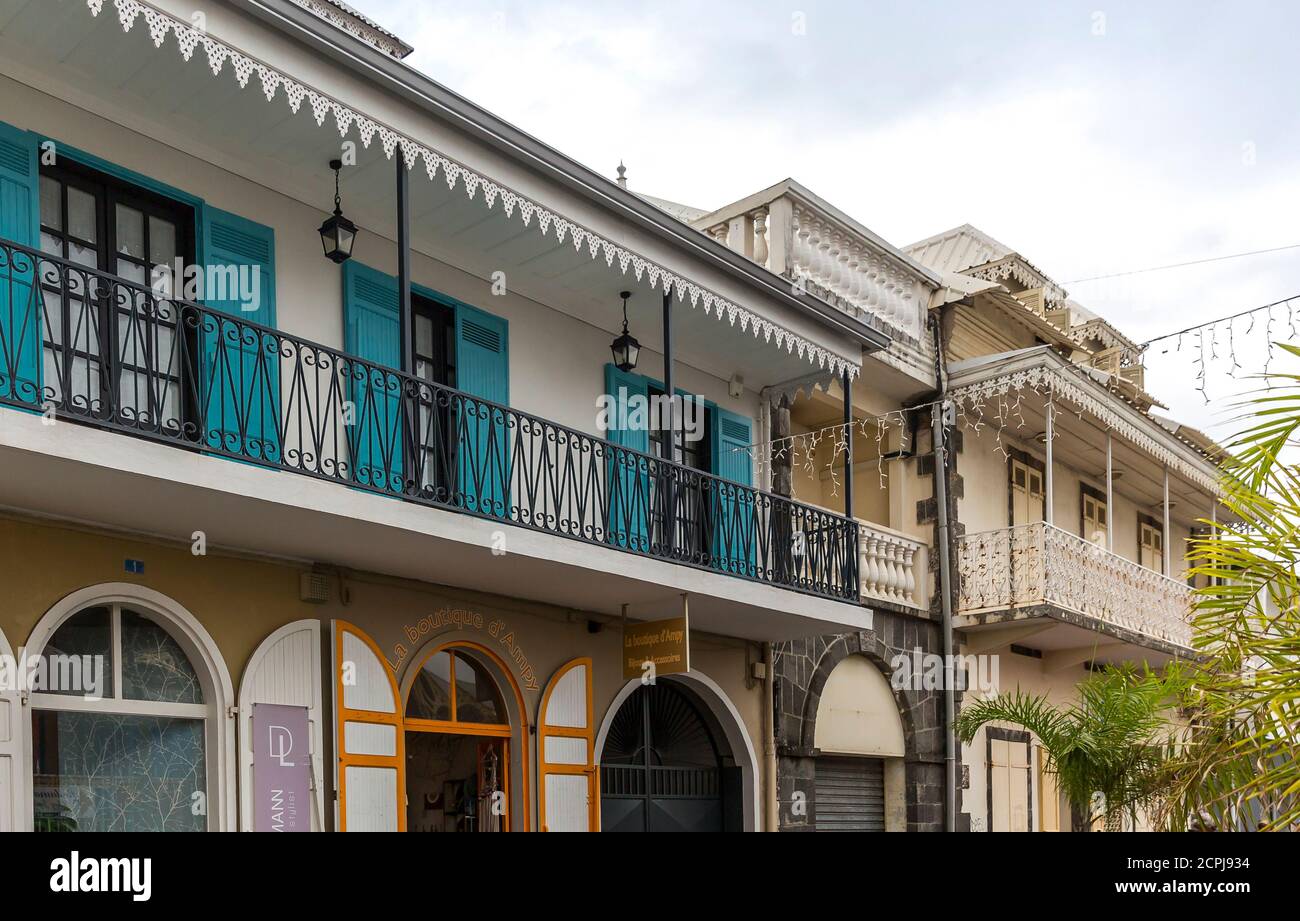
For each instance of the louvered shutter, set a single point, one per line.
(20, 310)
(484, 464)
(240, 373)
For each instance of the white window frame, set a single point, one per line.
(218, 690)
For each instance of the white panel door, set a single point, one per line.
(569, 799)
(368, 737)
(14, 798)
(285, 669)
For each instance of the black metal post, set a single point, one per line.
(670, 494)
(847, 382)
(404, 264)
(668, 371)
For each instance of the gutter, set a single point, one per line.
(409, 84)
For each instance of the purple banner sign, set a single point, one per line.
(281, 768)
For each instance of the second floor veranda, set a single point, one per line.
(1076, 507)
(520, 275)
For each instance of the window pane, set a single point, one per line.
(431, 694)
(477, 700)
(81, 215)
(82, 255)
(154, 667)
(53, 246)
(130, 232)
(162, 241)
(51, 203)
(112, 772)
(78, 658)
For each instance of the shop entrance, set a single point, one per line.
(666, 766)
(457, 734)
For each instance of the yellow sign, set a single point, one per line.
(664, 643)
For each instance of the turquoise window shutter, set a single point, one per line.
(20, 296)
(734, 518)
(240, 367)
(484, 464)
(627, 475)
(372, 332)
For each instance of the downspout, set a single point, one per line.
(771, 802)
(938, 435)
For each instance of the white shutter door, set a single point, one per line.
(13, 779)
(566, 751)
(285, 669)
(368, 736)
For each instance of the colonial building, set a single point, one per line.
(328, 502)
(1069, 501)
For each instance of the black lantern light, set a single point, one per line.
(338, 233)
(625, 348)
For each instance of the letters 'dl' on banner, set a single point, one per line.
(281, 768)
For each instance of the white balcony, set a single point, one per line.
(1040, 566)
(893, 567)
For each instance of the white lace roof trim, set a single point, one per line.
(188, 39)
(1050, 380)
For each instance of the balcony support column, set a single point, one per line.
(847, 384)
(404, 319)
(1169, 570)
(1048, 516)
(1110, 493)
(670, 422)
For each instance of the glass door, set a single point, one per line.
(113, 351)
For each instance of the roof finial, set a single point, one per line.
(622, 175)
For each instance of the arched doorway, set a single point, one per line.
(459, 743)
(666, 766)
(858, 782)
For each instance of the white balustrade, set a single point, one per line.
(889, 564)
(1039, 564)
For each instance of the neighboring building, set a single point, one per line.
(1073, 504)
(411, 525)
(1047, 589)
(858, 748)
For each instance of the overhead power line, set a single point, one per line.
(1180, 265)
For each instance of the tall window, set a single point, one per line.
(435, 362)
(1095, 518)
(1027, 495)
(1151, 546)
(680, 514)
(112, 352)
(120, 728)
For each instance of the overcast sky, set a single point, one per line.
(1093, 138)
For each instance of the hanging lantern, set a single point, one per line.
(338, 234)
(625, 348)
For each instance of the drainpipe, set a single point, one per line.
(938, 434)
(771, 802)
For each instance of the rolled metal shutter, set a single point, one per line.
(850, 794)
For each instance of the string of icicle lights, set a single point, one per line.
(1006, 409)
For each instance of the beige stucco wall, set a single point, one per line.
(240, 601)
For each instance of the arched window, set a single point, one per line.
(459, 747)
(123, 725)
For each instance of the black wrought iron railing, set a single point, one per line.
(98, 349)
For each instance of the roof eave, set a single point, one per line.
(402, 79)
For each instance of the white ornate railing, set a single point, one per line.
(826, 256)
(1041, 564)
(891, 566)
